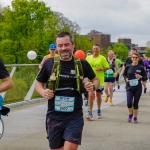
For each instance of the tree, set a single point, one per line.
(66, 25)
(82, 42)
(22, 28)
(120, 50)
(148, 52)
(30, 25)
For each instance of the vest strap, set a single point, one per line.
(68, 76)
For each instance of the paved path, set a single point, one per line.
(25, 127)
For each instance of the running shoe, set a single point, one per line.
(110, 103)
(90, 116)
(106, 99)
(118, 86)
(99, 114)
(130, 117)
(135, 120)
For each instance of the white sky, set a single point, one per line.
(119, 18)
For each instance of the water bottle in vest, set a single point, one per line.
(52, 82)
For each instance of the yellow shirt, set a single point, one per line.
(49, 55)
(98, 62)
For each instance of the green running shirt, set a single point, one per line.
(98, 62)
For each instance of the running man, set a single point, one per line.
(99, 64)
(64, 119)
(7, 82)
(5, 85)
(52, 53)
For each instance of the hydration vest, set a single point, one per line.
(112, 65)
(79, 76)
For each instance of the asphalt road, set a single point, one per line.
(25, 127)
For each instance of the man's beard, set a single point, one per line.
(66, 57)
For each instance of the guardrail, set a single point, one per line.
(24, 76)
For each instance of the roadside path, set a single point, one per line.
(25, 127)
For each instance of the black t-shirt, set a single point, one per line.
(65, 69)
(3, 72)
(130, 72)
(129, 61)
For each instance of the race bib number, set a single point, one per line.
(64, 104)
(109, 71)
(133, 82)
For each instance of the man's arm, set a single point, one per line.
(39, 87)
(96, 83)
(92, 85)
(6, 84)
(45, 93)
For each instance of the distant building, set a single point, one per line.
(126, 41)
(102, 39)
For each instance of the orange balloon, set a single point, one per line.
(79, 54)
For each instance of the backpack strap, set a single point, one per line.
(56, 69)
(79, 74)
(78, 70)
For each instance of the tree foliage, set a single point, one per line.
(82, 43)
(29, 25)
(120, 50)
(148, 52)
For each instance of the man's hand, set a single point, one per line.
(89, 86)
(48, 94)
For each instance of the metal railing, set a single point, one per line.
(24, 76)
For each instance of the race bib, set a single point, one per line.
(133, 82)
(109, 71)
(64, 104)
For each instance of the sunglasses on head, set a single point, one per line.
(52, 49)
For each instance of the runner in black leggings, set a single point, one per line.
(133, 75)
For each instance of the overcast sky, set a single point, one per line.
(119, 18)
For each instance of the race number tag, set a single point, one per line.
(109, 71)
(133, 82)
(64, 104)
